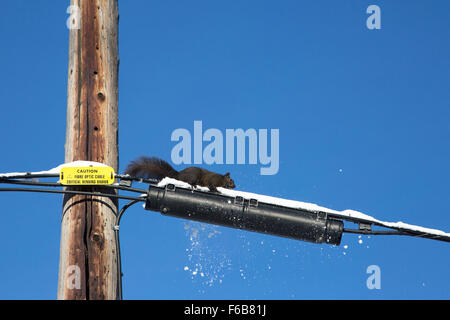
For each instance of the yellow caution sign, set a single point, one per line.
(86, 176)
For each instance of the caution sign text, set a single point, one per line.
(76, 176)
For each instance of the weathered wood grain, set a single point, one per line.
(87, 236)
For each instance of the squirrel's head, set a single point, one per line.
(229, 183)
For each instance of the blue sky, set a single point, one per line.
(363, 121)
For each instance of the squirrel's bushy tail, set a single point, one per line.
(150, 167)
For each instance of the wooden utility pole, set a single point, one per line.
(88, 261)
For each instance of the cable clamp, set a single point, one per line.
(365, 226)
(253, 202)
(239, 200)
(126, 183)
(170, 187)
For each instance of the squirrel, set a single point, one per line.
(152, 167)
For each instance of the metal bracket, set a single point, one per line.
(239, 200)
(365, 226)
(170, 187)
(125, 183)
(321, 215)
(253, 202)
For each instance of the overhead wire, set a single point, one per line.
(133, 200)
(21, 179)
(13, 179)
(119, 257)
(98, 194)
